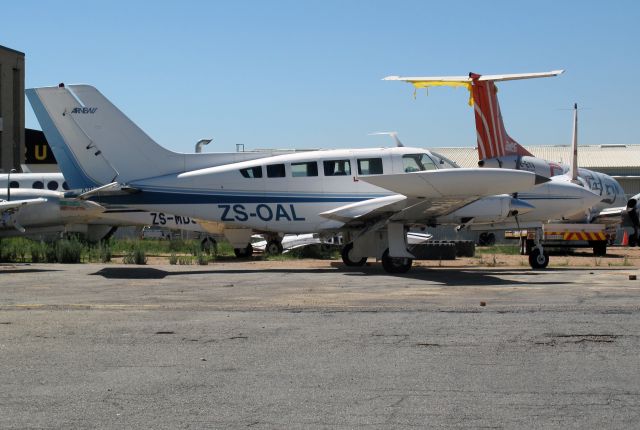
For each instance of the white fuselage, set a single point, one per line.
(610, 192)
(287, 193)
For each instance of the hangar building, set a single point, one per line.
(11, 109)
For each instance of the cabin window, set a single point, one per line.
(275, 171)
(38, 185)
(52, 185)
(337, 168)
(252, 172)
(14, 184)
(304, 169)
(369, 166)
(417, 163)
(65, 186)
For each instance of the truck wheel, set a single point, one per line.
(395, 265)
(347, 258)
(538, 260)
(600, 248)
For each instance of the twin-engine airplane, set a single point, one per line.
(498, 150)
(372, 196)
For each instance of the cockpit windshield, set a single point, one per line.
(444, 162)
(417, 163)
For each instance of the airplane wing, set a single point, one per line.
(15, 204)
(424, 196)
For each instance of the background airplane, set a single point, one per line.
(498, 150)
(37, 212)
(56, 217)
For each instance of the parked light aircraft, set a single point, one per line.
(56, 216)
(497, 149)
(42, 211)
(371, 195)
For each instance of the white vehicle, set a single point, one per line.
(496, 149)
(372, 196)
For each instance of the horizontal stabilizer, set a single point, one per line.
(495, 78)
(14, 204)
(457, 182)
(113, 188)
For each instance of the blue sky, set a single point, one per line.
(307, 74)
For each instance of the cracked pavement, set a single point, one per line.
(237, 345)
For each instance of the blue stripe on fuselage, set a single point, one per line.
(161, 198)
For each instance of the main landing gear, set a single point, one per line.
(349, 259)
(395, 264)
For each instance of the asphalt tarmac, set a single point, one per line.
(271, 345)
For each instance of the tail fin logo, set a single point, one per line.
(85, 110)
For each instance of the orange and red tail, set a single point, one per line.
(493, 140)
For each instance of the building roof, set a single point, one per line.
(11, 50)
(589, 156)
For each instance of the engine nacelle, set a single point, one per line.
(488, 210)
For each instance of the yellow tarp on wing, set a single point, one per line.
(427, 84)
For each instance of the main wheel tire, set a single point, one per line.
(395, 265)
(538, 260)
(348, 260)
(244, 252)
(274, 247)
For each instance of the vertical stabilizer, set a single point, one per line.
(493, 139)
(95, 143)
(573, 172)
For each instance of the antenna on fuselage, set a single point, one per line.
(393, 134)
(201, 143)
(573, 169)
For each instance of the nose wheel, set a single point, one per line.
(537, 259)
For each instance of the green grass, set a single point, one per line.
(134, 251)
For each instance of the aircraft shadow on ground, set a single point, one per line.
(152, 273)
(452, 277)
(27, 270)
